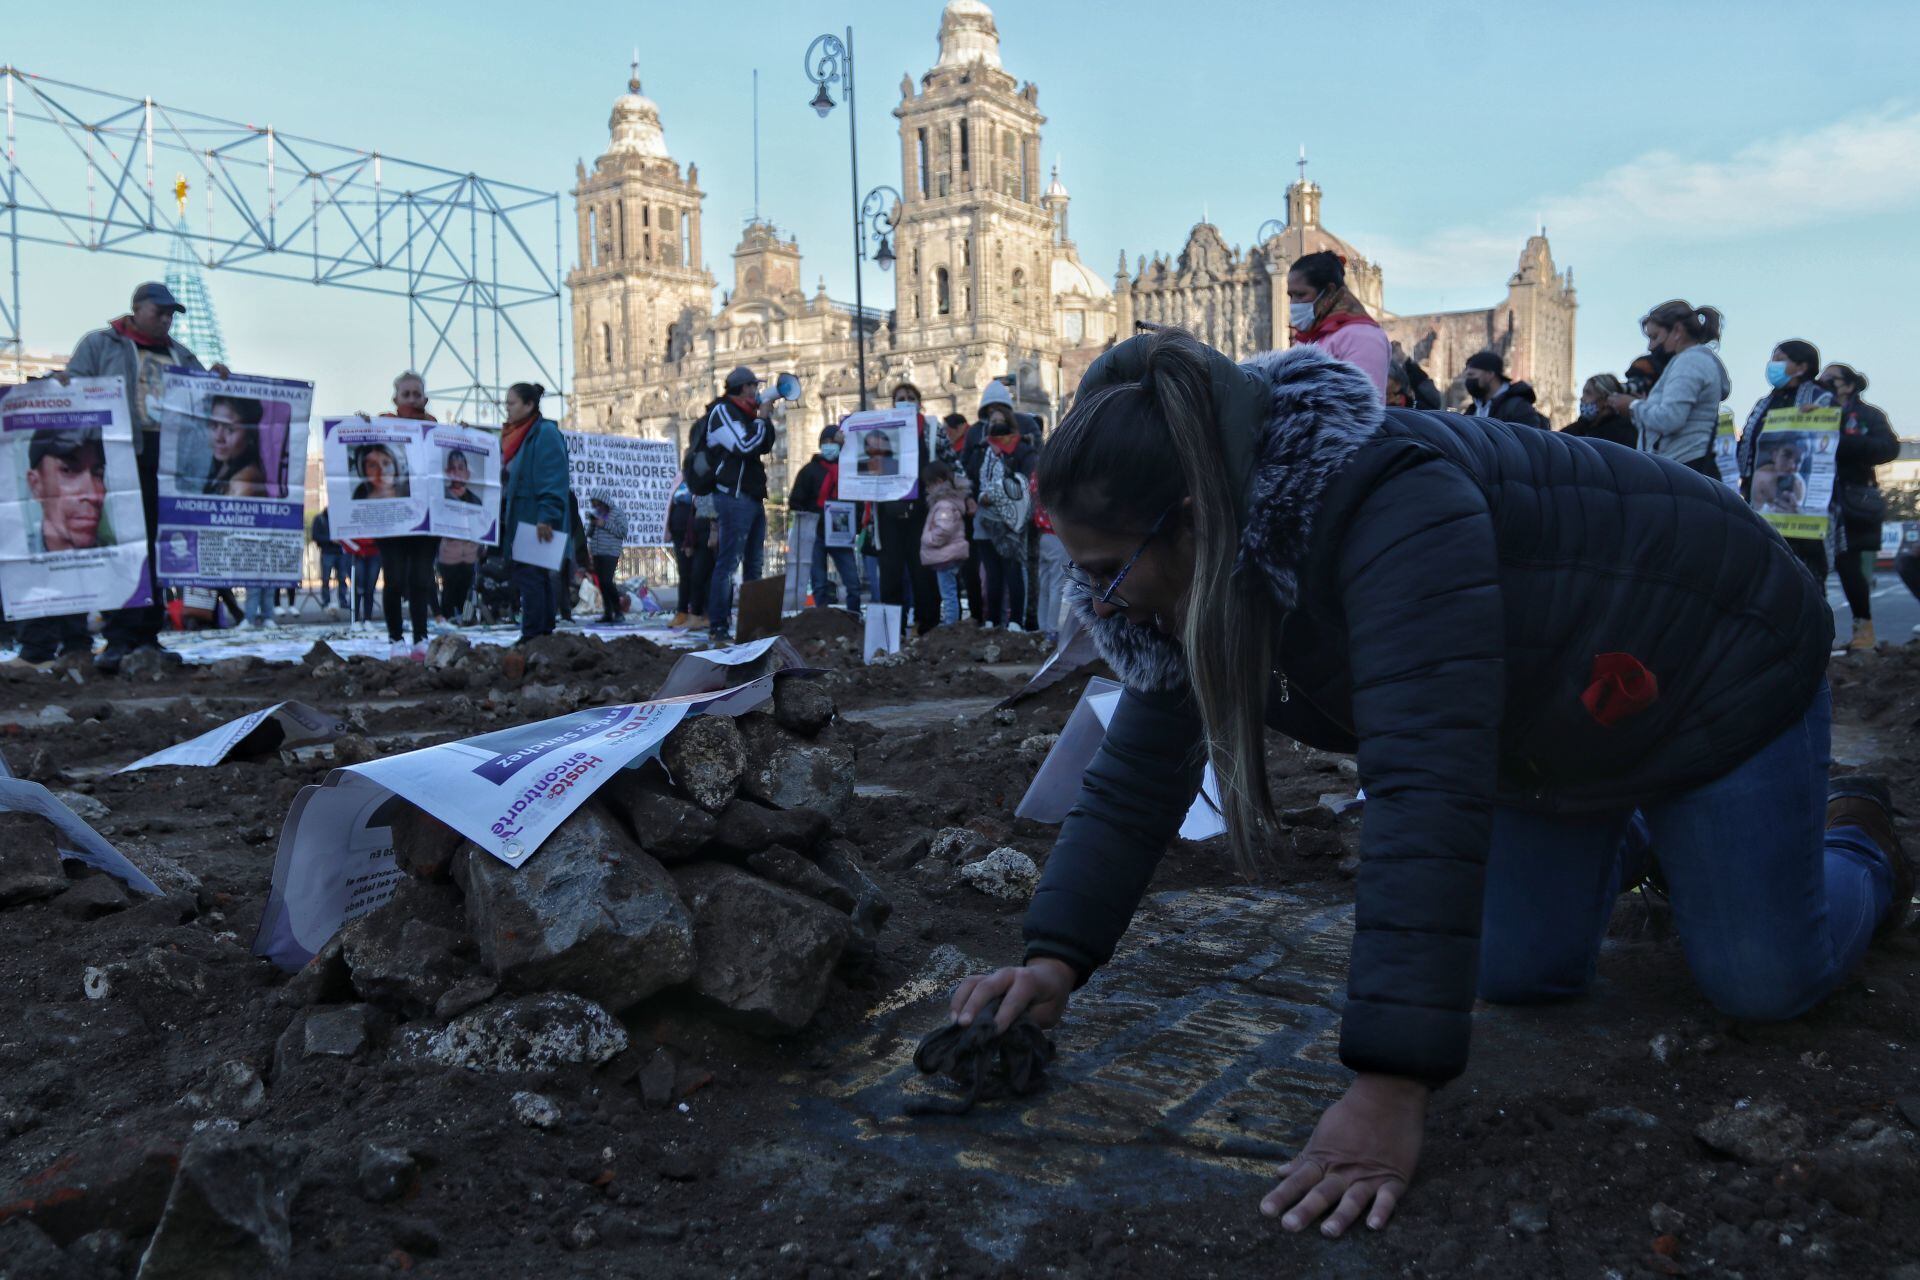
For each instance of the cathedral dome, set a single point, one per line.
(968, 35)
(1070, 275)
(635, 126)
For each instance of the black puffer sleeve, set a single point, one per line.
(1137, 791)
(1420, 586)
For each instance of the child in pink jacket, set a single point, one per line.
(943, 544)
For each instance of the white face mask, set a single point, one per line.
(1300, 315)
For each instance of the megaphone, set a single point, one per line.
(785, 387)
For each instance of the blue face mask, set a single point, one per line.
(1776, 373)
(1300, 315)
(1589, 409)
(831, 452)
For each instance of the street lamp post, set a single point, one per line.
(829, 58)
(876, 215)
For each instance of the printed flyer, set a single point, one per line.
(395, 477)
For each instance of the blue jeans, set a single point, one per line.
(366, 575)
(333, 564)
(949, 580)
(259, 605)
(1773, 910)
(743, 544)
(539, 598)
(843, 557)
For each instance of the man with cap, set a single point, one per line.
(1494, 397)
(738, 436)
(67, 477)
(138, 347)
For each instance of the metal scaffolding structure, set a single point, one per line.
(96, 171)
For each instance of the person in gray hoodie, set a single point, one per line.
(1677, 418)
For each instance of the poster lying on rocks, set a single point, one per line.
(1793, 470)
(233, 468)
(275, 728)
(1056, 787)
(880, 461)
(506, 791)
(712, 670)
(639, 475)
(395, 477)
(74, 838)
(72, 531)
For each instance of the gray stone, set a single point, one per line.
(657, 1079)
(1530, 1218)
(385, 1174)
(765, 953)
(802, 705)
(542, 701)
(784, 866)
(84, 807)
(1004, 873)
(227, 1214)
(231, 1089)
(423, 845)
(1314, 815)
(340, 1031)
(535, 1110)
(89, 899)
(1036, 746)
(746, 827)
(464, 995)
(669, 828)
(150, 665)
(1666, 1220)
(1760, 1133)
(793, 773)
(29, 860)
(353, 748)
(321, 980)
(535, 1033)
(706, 759)
(402, 954)
(588, 913)
(871, 906)
(1891, 1155)
(910, 851)
(955, 845)
(448, 650)
(1909, 1106)
(1664, 1048)
(1617, 1118)
(29, 1254)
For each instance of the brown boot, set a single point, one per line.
(1862, 641)
(1862, 800)
(679, 619)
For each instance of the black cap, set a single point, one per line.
(741, 377)
(63, 444)
(1488, 362)
(154, 291)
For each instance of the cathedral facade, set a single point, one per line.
(988, 281)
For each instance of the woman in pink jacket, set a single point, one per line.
(1324, 313)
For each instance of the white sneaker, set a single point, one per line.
(400, 651)
(419, 652)
(1015, 628)
(269, 622)
(986, 626)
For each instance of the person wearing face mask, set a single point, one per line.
(1494, 397)
(903, 579)
(1676, 419)
(738, 436)
(1866, 441)
(1790, 374)
(1598, 420)
(1265, 546)
(817, 484)
(1323, 313)
(998, 463)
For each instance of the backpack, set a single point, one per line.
(699, 468)
(1004, 521)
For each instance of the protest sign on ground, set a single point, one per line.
(880, 462)
(282, 725)
(1793, 470)
(1056, 787)
(72, 531)
(882, 631)
(392, 477)
(506, 791)
(639, 475)
(715, 669)
(232, 485)
(76, 840)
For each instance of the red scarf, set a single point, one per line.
(514, 436)
(1005, 445)
(1331, 322)
(418, 415)
(124, 327)
(830, 483)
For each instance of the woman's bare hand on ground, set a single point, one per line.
(1359, 1161)
(1038, 988)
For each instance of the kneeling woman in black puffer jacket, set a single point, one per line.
(1525, 637)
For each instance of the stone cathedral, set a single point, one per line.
(988, 281)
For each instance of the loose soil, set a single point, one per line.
(1185, 1069)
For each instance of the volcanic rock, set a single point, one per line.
(792, 773)
(422, 844)
(746, 828)
(385, 1174)
(1004, 873)
(536, 1033)
(29, 859)
(784, 866)
(666, 826)
(93, 897)
(871, 906)
(227, 1214)
(1766, 1133)
(765, 953)
(404, 953)
(706, 759)
(801, 705)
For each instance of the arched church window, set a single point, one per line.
(942, 292)
(593, 237)
(1019, 286)
(606, 343)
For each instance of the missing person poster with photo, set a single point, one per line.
(1793, 470)
(72, 531)
(880, 461)
(393, 477)
(233, 461)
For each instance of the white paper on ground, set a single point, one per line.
(77, 840)
(506, 791)
(299, 723)
(528, 549)
(883, 630)
(1056, 787)
(713, 669)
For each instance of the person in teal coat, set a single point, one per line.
(534, 492)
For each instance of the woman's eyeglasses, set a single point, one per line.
(1110, 595)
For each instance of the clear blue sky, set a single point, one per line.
(1758, 156)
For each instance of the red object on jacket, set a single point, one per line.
(124, 327)
(1621, 688)
(1332, 321)
(1041, 520)
(830, 483)
(361, 547)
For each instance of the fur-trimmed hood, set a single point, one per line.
(1319, 411)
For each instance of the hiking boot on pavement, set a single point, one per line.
(1862, 800)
